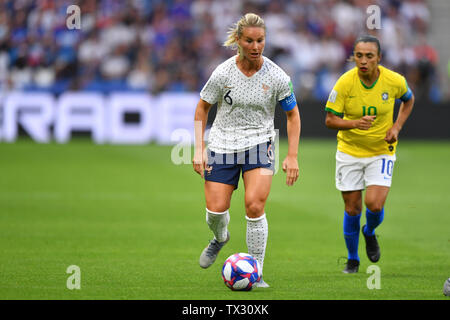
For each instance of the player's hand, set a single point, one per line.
(290, 166)
(199, 162)
(392, 134)
(365, 122)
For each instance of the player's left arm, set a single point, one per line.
(289, 104)
(290, 163)
(405, 110)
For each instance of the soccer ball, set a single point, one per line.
(447, 288)
(240, 271)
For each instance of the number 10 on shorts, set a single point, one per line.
(387, 167)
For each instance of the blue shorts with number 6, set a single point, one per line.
(227, 167)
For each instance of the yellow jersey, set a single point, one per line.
(352, 99)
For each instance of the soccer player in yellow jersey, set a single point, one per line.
(361, 107)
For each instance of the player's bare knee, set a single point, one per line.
(353, 210)
(374, 206)
(217, 206)
(254, 209)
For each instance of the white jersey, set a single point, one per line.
(245, 105)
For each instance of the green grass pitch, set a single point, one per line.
(135, 225)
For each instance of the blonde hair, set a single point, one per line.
(235, 32)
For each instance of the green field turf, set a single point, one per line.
(135, 225)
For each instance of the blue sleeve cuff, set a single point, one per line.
(289, 102)
(406, 96)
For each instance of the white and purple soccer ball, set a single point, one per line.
(240, 271)
(447, 288)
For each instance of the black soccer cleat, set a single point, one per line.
(372, 247)
(352, 266)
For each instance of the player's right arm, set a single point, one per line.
(335, 108)
(209, 95)
(200, 119)
(333, 121)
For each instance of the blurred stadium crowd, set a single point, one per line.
(156, 46)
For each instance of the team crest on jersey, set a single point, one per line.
(384, 96)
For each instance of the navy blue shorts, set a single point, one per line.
(227, 167)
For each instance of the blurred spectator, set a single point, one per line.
(156, 45)
(427, 59)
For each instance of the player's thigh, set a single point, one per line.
(349, 172)
(352, 202)
(257, 183)
(218, 196)
(378, 179)
(379, 170)
(375, 197)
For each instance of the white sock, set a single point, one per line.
(218, 222)
(257, 232)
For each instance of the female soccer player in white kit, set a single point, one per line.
(246, 88)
